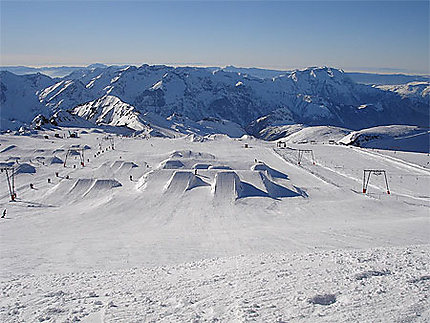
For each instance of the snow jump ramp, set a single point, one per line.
(182, 181)
(227, 186)
(101, 186)
(121, 165)
(275, 190)
(80, 187)
(269, 170)
(66, 192)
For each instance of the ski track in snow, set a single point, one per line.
(394, 160)
(278, 242)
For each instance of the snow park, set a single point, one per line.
(206, 192)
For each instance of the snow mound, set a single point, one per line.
(191, 154)
(101, 186)
(54, 160)
(220, 167)
(119, 168)
(228, 186)
(261, 184)
(25, 169)
(126, 166)
(123, 165)
(171, 164)
(275, 190)
(201, 166)
(182, 181)
(272, 172)
(85, 187)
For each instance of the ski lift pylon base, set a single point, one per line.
(366, 177)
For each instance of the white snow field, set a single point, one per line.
(180, 230)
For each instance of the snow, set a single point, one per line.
(313, 96)
(411, 89)
(385, 284)
(251, 236)
(317, 134)
(393, 137)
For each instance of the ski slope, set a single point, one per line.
(175, 230)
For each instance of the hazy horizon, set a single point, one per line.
(377, 37)
(381, 71)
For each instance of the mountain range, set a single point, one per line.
(199, 100)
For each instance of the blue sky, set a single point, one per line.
(353, 35)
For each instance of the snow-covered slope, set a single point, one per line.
(394, 137)
(416, 91)
(18, 100)
(313, 96)
(110, 110)
(317, 134)
(158, 229)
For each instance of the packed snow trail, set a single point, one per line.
(401, 162)
(404, 180)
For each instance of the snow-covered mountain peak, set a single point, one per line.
(110, 110)
(318, 74)
(409, 90)
(314, 96)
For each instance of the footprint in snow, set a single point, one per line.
(372, 273)
(324, 299)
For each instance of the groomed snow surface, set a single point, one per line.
(175, 230)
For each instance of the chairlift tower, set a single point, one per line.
(81, 155)
(378, 172)
(10, 175)
(302, 152)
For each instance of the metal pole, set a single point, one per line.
(8, 183)
(364, 181)
(11, 189)
(386, 182)
(13, 183)
(367, 182)
(82, 157)
(65, 159)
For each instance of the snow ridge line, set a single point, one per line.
(306, 169)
